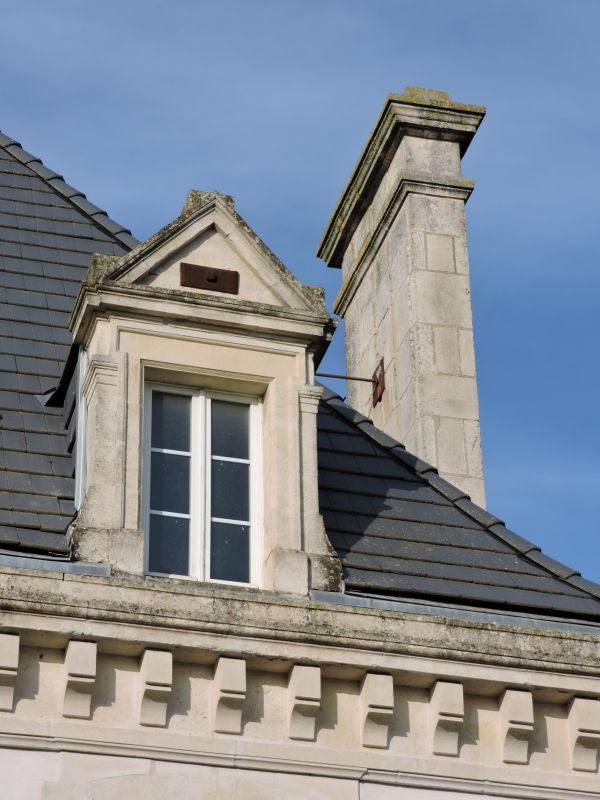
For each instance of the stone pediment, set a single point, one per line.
(209, 250)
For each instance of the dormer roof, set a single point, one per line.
(178, 274)
(208, 215)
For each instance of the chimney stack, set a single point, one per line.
(399, 235)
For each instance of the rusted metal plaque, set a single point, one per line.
(216, 280)
(378, 383)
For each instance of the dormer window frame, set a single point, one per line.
(201, 520)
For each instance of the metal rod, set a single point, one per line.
(344, 377)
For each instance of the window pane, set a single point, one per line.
(230, 490)
(170, 483)
(229, 428)
(170, 421)
(230, 552)
(169, 545)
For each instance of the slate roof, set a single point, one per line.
(48, 231)
(401, 530)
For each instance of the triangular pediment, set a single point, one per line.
(210, 250)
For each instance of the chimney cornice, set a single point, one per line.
(423, 113)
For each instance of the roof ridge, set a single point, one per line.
(459, 498)
(58, 184)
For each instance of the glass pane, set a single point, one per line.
(230, 552)
(170, 421)
(230, 490)
(170, 483)
(229, 428)
(169, 545)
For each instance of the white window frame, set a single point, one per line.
(200, 475)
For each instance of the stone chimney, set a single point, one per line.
(399, 235)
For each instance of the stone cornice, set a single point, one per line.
(409, 183)
(257, 624)
(417, 112)
(194, 307)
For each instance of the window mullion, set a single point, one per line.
(197, 482)
(255, 493)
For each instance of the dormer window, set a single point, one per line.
(200, 484)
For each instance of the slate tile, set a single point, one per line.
(19, 518)
(9, 536)
(451, 572)
(14, 460)
(13, 440)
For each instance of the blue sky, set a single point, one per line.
(137, 101)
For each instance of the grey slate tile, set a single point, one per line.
(431, 555)
(46, 241)
(483, 595)
(449, 572)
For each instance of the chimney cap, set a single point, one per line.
(421, 112)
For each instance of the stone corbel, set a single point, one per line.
(376, 709)
(516, 725)
(229, 687)
(9, 664)
(80, 679)
(304, 701)
(447, 714)
(156, 684)
(584, 733)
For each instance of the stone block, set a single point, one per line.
(440, 252)
(516, 725)
(467, 352)
(451, 451)
(473, 448)
(9, 664)
(127, 551)
(447, 354)
(424, 348)
(428, 445)
(376, 709)
(80, 678)
(447, 714)
(448, 396)
(441, 298)
(584, 733)
(229, 694)
(430, 156)
(287, 571)
(156, 683)
(304, 701)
